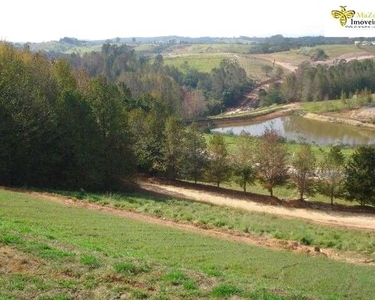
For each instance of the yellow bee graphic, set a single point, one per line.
(343, 15)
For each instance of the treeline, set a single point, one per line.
(277, 43)
(316, 83)
(190, 93)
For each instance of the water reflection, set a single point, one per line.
(322, 133)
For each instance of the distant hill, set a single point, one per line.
(277, 43)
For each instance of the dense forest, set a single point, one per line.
(97, 118)
(190, 93)
(321, 82)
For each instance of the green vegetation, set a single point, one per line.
(360, 176)
(148, 261)
(314, 83)
(225, 218)
(320, 107)
(203, 62)
(319, 151)
(210, 48)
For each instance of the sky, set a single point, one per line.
(45, 20)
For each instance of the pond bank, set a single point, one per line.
(339, 120)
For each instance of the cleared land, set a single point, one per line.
(72, 252)
(205, 62)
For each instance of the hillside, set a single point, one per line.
(61, 251)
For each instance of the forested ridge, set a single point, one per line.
(319, 82)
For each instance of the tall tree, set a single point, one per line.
(194, 155)
(218, 169)
(109, 111)
(272, 158)
(172, 148)
(243, 161)
(331, 171)
(360, 176)
(304, 164)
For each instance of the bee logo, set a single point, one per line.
(343, 15)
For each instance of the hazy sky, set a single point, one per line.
(44, 20)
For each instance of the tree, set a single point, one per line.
(172, 148)
(194, 104)
(218, 169)
(194, 156)
(319, 54)
(243, 161)
(272, 160)
(303, 163)
(116, 156)
(147, 129)
(332, 173)
(266, 69)
(360, 176)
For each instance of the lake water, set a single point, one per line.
(321, 133)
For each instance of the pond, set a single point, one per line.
(312, 131)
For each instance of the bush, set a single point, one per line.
(307, 240)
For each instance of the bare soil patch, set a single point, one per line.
(15, 262)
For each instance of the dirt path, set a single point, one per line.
(343, 219)
(246, 238)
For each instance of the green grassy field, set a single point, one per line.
(334, 51)
(241, 221)
(231, 141)
(205, 62)
(210, 48)
(70, 252)
(320, 107)
(201, 62)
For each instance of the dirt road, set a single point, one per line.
(344, 219)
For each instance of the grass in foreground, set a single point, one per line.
(72, 252)
(213, 216)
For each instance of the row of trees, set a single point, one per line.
(268, 161)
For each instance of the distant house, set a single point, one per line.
(357, 43)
